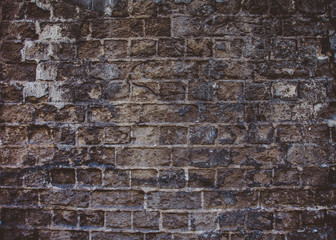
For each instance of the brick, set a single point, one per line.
(204, 91)
(11, 177)
(13, 135)
(115, 49)
(118, 199)
(65, 218)
(229, 91)
(287, 220)
(11, 93)
(201, 178)
(118, 113)
(170, 91)
(116, 235)
(169, 113)
(315, 176)
(173, 135)
(199, 47)
(19, 197)
(89, 50)
(286, 176)
(145, 91)
(63, 176)
(38, 218)
(89, 177)
(282, 7)
(232, 220)
(120, 28)
(174, 200)
(19, 71)
(143, 8)
(316, 134)
(118, 220)
(12, 217)
(204, 158)
(151, 157)
(231, 178)
(116, 90)
(257, 91)
(233, 134)
(116, 178)
(252, 156)
(259, 178)
(172, 179)
(183, 26)
(102, 155)
(32, 11)
(158, 27)
(260, 220)
(229, 199)
(18, 30)
(289, 133)
(162, 236)
(90, 136)
(171, 47)
(64, 197)
(221, 113)
(17, 113)
(261, 134)
(255, 7)
(203, 221)
(145, 135)
(88, 92)
(144, 178)
(61, 234)
(175, 221)
(13, 155)
(146, 220)
(143, 48)
(91, 219)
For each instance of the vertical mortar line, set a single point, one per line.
(202, 199)
(132, 220)
(161, 221)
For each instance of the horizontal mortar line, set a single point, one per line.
(282, 208)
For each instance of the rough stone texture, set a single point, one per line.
(167, 119)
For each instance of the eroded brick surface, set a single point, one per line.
(167, 119)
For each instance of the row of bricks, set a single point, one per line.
(170, 178)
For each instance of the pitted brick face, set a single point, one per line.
(167, 119)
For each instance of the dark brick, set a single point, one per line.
(175, 221)
(201, 178)
(118, 220)
(173, 135)
(158, 27)
(171, 47)
(91, 219)
(203, 135)
(13, 217)
(89, 177)
(63, 176)
(234, 177)
(204, 91)
(38, 218)
(229, 199)
(287, 220)
(117, 28)
(232, 220)
(146, 220)
(116, 178)
(203, 157)
(172, 179)
(118, 199)
(65, 218)
(260, 220)
(143, 48)
(174, 200)
(144, 178)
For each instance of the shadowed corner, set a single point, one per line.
(105, 6)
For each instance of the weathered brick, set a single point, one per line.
(232, 220)
(231, 178)
(13, 217)
(150, 157)
(253, 156)
(221, 113)
(201, 178)
(203, 221)
(199, 47)
(118, 199)
(260, 220)
(173, 135)
(117, 28)
(89, 177)
(13, 135)
(116, 235)
(204, 157)
(229, 199)
(203, 135)
(118, 220)
(61, 234)
(174, 200)
(145, 135)
(89, 50)
(204, 91)
(286, 176)
(175, 221)
(172, 179)
(146, 220)
(158, 27)
(287, 220)
(115, 49)
(19, 197)
(90, 136)
(65, 218)
(38, 218)
(91, 219)
(65, 198)
(116, 178)
(144, 178)
(143, 48)
(171, 47)
(229, 91)
(63, 176)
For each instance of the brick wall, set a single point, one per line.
(168, 119)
